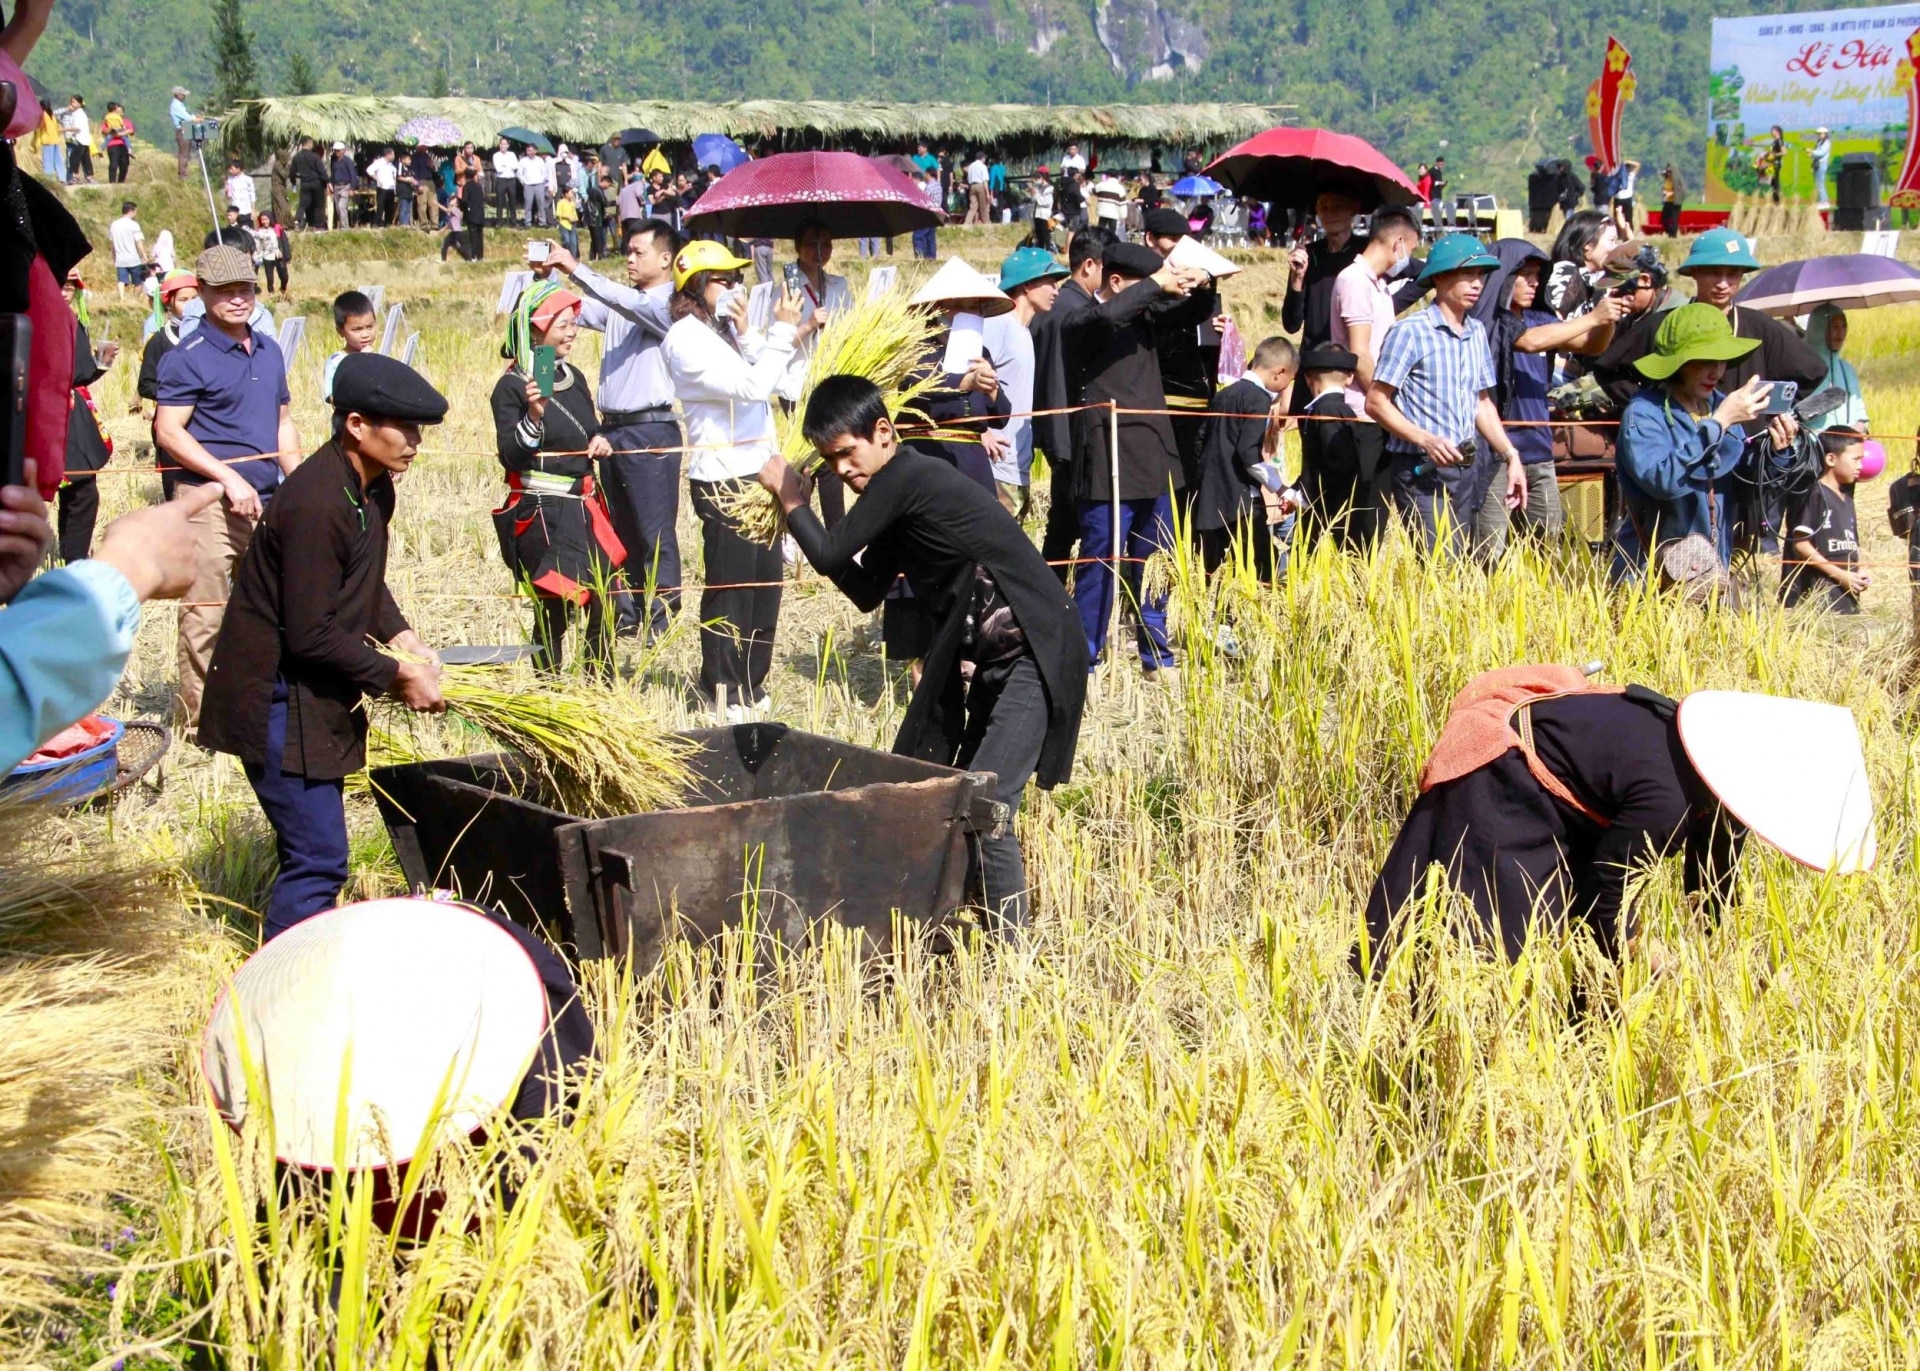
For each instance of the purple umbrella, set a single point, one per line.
(1854, 280)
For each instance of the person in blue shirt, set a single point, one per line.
(1524, 336)
(223, 418)
(65, 635)
(1682, 445)
(182, 118)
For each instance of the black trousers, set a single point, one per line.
(385, 202)
(1062, 535)
(117, 160)
(476, 242)
(596, 233)
(552, 616)
(79, 161)
(312, 213)
(736, 625)
(79, 511)
(456, 240)
(643, 500)
(1006, 727)
(268, 270)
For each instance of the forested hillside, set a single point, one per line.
(1502, 81)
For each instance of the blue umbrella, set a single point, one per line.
(718, 150)
(1192, 187)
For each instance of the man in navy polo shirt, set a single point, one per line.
(222, 418)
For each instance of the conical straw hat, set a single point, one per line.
(1790, 770)
(385, 1005)
(958, 286)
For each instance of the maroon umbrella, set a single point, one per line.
(776, 197)
(1290, 167)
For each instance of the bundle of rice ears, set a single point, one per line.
(595, 749)
(881, 339)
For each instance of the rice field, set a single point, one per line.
(1172, 1129)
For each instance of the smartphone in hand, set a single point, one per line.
(538, 251)
(16, 343)
(1780, 398)
(545, 361)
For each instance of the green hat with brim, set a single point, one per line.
(1027, 265)
(1720, 247)
(1458, 252)
(1692, 333)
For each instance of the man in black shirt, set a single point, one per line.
(997, 606)
(309, 175)
(1309, 306)
(293, 661)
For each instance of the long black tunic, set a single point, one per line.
(310, 591)
(552, 527)
(1520, 853)
(1236, 430)
(1110, 355)
(920, 518)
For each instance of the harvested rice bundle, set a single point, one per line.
(595, 749)
(882, 339)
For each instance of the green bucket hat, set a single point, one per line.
(1692, 333)
(1458, 252)
(1027, 265)
(1720, 247)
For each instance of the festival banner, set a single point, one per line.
(1777, 78)
(1605, 97)
(1906, 190)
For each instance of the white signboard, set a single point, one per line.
(510, 287)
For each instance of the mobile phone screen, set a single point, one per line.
(545, 359)
(16, 342)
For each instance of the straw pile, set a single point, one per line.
(594, 750)
(882, 339)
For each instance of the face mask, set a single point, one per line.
(1402, 256)
(727, 297)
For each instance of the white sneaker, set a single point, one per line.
(738, 714)
(789, 551)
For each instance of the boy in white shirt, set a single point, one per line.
(239, 188)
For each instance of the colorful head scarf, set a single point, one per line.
(539, 304)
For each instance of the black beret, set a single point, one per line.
(1131, 260)
(1328, 358)
(1164, 223)
(383, 387)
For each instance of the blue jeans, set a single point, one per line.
(53, 161)
(406, 207)
(1146, 527)
(309, 821)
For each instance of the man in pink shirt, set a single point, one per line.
(1363, 308)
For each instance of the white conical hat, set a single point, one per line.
(386, 1004)
(957, 284)
(1790, 770)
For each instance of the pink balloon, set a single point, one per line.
(1873, 459)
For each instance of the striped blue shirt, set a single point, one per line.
(1437, 373)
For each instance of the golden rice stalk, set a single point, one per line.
(595, 749)
(882, 339)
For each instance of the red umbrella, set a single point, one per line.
(776, 197)
(1289, 167)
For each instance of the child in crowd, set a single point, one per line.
(354, 321)
(1243, 495)
(566, 217)
(1822, 556)
(1340, 461)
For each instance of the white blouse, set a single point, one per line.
(725, 396)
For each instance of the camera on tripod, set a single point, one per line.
(203, 131)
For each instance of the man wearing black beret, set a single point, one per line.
(1186, 336)
(294, 656)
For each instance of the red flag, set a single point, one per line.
(1906, 192)
(1604, 100)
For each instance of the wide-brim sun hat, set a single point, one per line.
(377, 1031)
(1457, 252)
(1820, 811)
(1692, 333)
(958, 286)
(1721, 247)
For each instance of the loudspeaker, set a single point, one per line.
(1856, 201)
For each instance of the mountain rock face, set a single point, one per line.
(1146, 40)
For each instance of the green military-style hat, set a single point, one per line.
(1692, 333)
(1027, 265)
(1720, 247)
(1458, 252)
